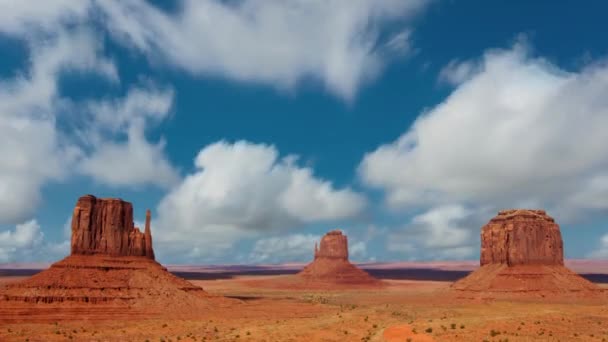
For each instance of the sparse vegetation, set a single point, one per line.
(453, 326)
(429, 330)
(494, 333)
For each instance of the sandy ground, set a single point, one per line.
(404, 310)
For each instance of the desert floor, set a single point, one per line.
(404, 310)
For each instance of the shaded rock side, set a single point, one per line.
(105, 227)
(521, 237)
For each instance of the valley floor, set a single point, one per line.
(404, 310)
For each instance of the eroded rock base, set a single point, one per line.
(102, 287)
(541, 281)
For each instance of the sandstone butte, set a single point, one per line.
(331, 265)
(111, 273)
(522, 254)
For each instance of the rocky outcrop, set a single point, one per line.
(521, 237)
(105, 227)
(334, 245)
(522, 255)
(331, 265)
(111, 273)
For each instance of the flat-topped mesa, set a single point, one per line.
(105, 226)
(521, 237)
(522, 256)
(334, 245)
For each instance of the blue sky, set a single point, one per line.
(252, 127)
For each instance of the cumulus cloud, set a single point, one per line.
(33, 151)
(136, 161)
(26, 243)
(290, 248)
(519, 131)
(357, 250)
(242, 189)
(442, 232)
(36, 149)
(457, 72)
(602, 251)
(268, 41)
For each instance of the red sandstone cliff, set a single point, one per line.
(110, 273)
(334, 245)
(521, 255)
(521, 237)
(105, 226)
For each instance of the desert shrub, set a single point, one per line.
(453, 325)
(494, 332)
(429, 330)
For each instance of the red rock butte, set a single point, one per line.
(522, 254)
(111, 273)
(331, 265)
(105, 226)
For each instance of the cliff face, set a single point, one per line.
(522, 255)
(521, 237)
(111, 272)
(334, 245)
(105, 227)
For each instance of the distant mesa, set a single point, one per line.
(110, 273)
(522, 253)
(331, 265)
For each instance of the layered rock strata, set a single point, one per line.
(110, 273)
(522, 254)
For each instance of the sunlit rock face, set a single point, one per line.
(105, 227)
(521, 237)
(522, 255)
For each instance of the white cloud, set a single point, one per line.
(357, 250)
(444, 232)
(136, 161)
(291, 248)
(26, 243)
(33, 151)
(518, 131)
(242, 189)
(23, 17)
(458, 72)
(133, 163)
(268, 41)
(602, 251)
